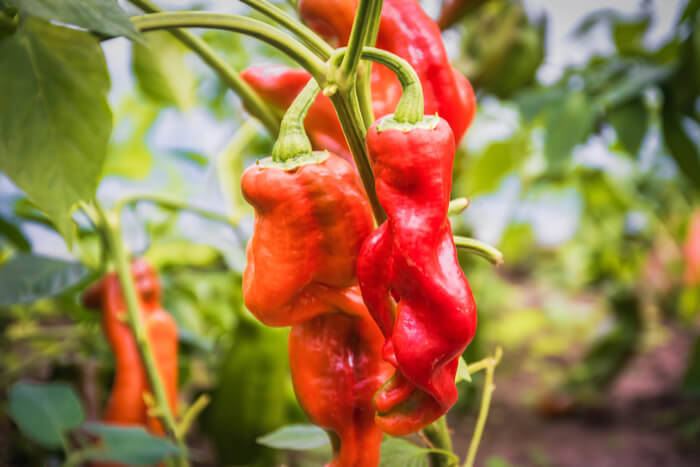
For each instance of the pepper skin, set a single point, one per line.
(336, 366)
(126, 405)
(411, 259)
(310, 222)
(691, 251)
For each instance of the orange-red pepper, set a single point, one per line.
(126, 405)
(310, 221)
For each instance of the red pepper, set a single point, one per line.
(410, 278)
(126, 405)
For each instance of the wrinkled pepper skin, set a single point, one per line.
(691, 251)
(410, 278)
(336, 366)
(310, 223)
(126, 405)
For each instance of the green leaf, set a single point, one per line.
(44, 412)
(56, 121)
(568, 125)
(634, 82)
(161, 72)
(397, 452)
(229, 168)
(499, 159)
(295, 437)
(691, 378)
(630, 121)
(102, 16)
(128, 155)
(537, 101)
(463, 371)
(132, 445)
(629, 35)
(682, 148)
(26, 278)
(14, 235)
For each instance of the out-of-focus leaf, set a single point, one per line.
(636, 80)
(495, 162)
(26, 278)
(45, 412)
(628, 35)
(128, 156)
(681, 146)
(534, 102)
(14, 235)
(181, 253)
(517, 243)
(568, 125)
(691, 379)
(103, 16)
(161, 71)
(295, 437)
(229, 168)
(53, 143)
(630, 121)
(593, 19)
(132, 445)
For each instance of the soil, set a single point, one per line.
(643, 422)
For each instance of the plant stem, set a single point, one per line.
(360, 26)
(364, 90)
(292, 141)
(242, 24)
(457, 205)
(251, 100)
(312, 40)
(439, 435)
(479, 248)
(173, 203)
(112, 228)
(352, 124)
(489, 387)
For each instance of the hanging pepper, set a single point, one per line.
(311, 216)
(691, 251)
(408, 271)
(404, 30)
(126, 405)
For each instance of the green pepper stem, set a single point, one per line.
(439, 435)
(112, 230)
(242, 24)
(292, 141)
(312, 40)
(479, 248)
(489, 365)
(251, 100)
(364, 90)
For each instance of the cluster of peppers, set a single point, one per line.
(380, 316)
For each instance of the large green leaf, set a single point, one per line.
(128, 155)
(44, 412)
(26, 278)
(630, 121)
(132, 445)
(568, 125)
(161, 71)
(14, 235)
(102, 16)
(296, 437)
(55, 120)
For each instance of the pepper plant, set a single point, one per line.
(301, 268)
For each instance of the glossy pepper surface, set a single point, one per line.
(126, 405)
(310, 222)
(410, 278)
